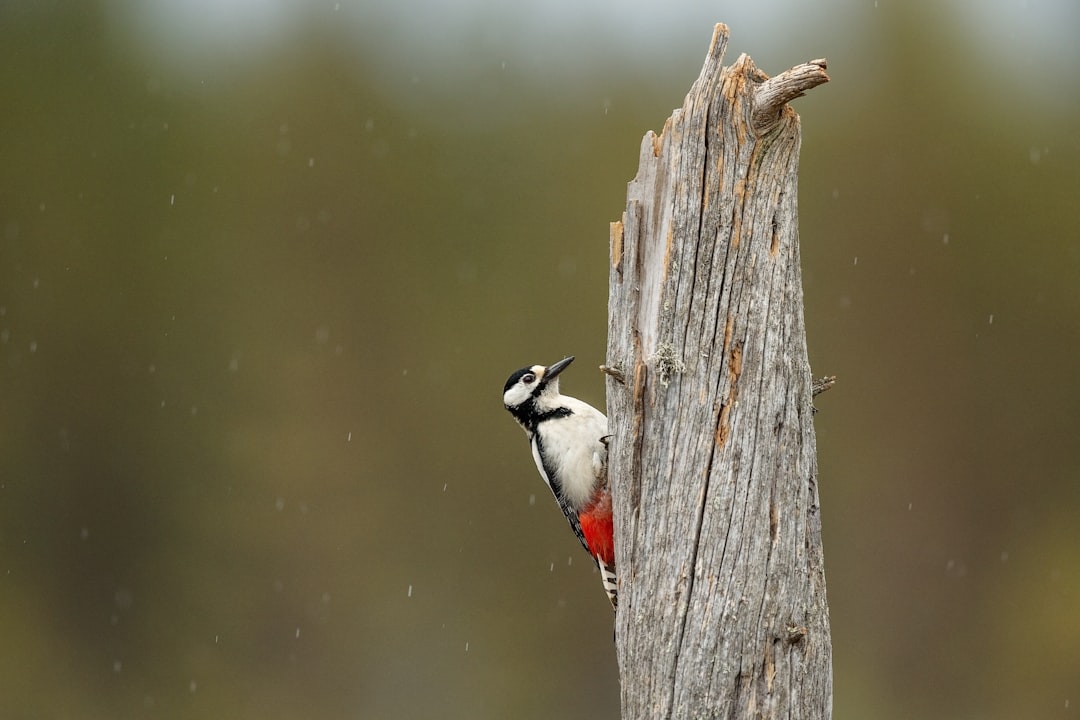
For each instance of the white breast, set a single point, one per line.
(572, 446)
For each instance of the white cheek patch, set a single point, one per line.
(515, 395)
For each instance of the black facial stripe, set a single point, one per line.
(552, 414)
(527, 414)
(524, 413)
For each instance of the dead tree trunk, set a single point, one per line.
(722, 610)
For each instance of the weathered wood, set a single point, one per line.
(722, 610)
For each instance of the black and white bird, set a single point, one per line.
(568, 445)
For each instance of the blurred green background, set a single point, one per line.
(266, 264)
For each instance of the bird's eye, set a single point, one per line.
(528, 378)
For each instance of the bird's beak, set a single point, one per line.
(554, 369)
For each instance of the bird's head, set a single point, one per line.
(534, 389)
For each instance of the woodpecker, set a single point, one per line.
(568, 439)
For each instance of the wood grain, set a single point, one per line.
(713, 462)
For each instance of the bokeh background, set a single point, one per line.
(266, 264)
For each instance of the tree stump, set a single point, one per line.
(722, 610)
